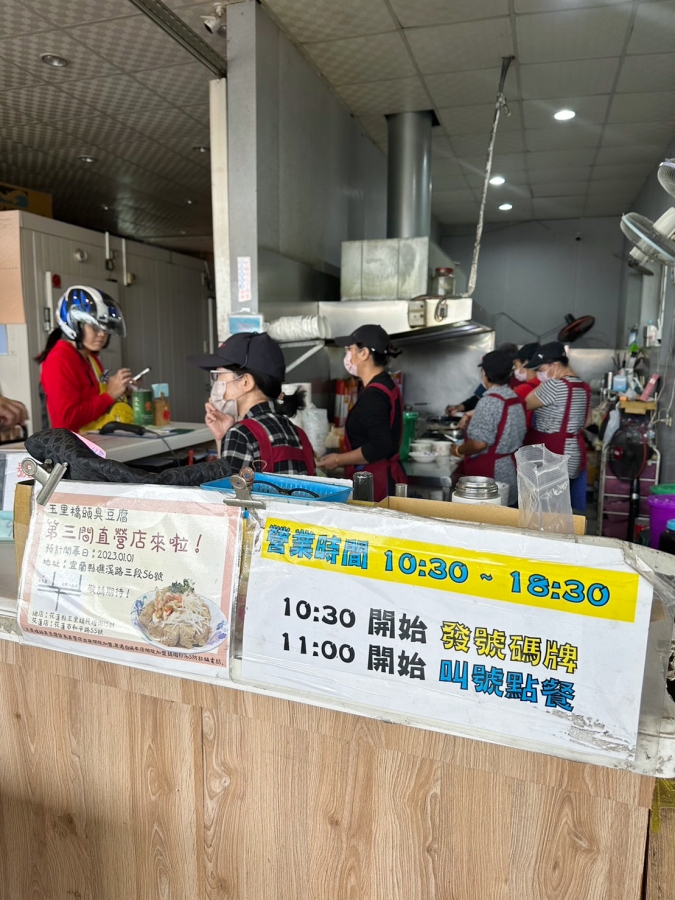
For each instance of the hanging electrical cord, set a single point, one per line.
(501, 104)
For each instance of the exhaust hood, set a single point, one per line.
(386, 281)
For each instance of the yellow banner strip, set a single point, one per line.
(598, 593)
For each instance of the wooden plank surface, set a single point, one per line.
(117, 783)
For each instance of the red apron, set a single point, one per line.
(383, 469)
(556, 442)
(271, 455)
(484, 463)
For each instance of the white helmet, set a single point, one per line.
(88, 306)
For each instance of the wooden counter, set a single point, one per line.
(120, 784)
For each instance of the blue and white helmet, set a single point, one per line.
(89, 306)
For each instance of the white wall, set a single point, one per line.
(536, 272)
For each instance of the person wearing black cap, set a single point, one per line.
(471, 402)
(247, 372)
(561, 404)
(374, 427)
(524, 375)
(497, 428)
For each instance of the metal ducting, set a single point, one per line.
(409, 174)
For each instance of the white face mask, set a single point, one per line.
(217, 398)
(349, 365)
(520, 374)
(544, 375)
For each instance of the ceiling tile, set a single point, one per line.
(560, 189)
(133, 43)
(375, 127)
(475, 179)
(638, 153)
(520, 212)
(609, 173)
(604, 208)
(589, 111)
(323, 20)
(26, 54)
(451, 89)
(181, 85)
(653, 28)
(581, 78)
(563, 138)
(439, 12)
(114, 94)
(558, 207)
(558, 174)
(454, 48)
(12, 76)
(531, 6)
(440, 145)
(448, 183)
(200, 113)
(621, 188)
(361, 59)
(472, 144)
(478, 120)
(457, 214)
(66, 13)
(397, 95)
(654, 107)
(17, 19)
(450, 198)
(573, 33)
(12, 117)
(46, 102)
(560, 158)
(504, 163)
(654, 72)
(647, 132)
(171, 127)
(442, 166)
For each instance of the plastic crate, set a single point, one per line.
(327, 493)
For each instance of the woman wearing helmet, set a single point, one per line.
(247, 372)
(78, 395)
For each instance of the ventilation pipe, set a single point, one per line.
(409, 174)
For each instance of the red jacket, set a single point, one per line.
(73, 392)
(523, 389)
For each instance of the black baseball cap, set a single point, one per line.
(526, 353)
(248, 350)
(497, 365)
(548, 353)
(374, 337)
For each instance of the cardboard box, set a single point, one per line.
(482, 513)
(22, 504)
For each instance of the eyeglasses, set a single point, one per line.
(291, 492)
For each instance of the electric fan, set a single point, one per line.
(574, 328)
(653, 240)
(627, 457)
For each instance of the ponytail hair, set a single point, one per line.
(53, 339)
(271, 388)
(382, 359)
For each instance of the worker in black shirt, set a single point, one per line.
(374, 427)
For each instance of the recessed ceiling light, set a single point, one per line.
(505, 207)
(183, 232)
(200, 149)
(51, 59)
(105, 207)
(497, 180)
(564, 115)
(87, 159)
(189, 202)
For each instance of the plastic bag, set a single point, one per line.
(544, 490)
(315, 423)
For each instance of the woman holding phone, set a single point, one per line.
(80, 396)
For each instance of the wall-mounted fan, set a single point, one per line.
(653, 240)
(666, 175)
(574, 328)
(636, 268)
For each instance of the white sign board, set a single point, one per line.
(134, 575)
(521, 635)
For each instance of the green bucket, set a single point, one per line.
(663, 489)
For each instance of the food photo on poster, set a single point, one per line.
(451, 624)
(121, 574)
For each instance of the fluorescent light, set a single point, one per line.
(51, 59)
(505, 207)
(564, 115)
(497, 180)
(87, 159)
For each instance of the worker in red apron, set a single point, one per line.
(497, 427)
(525, 376)
(561, 406)
(374, 427)
(246, 411)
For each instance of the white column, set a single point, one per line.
(220, 200)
